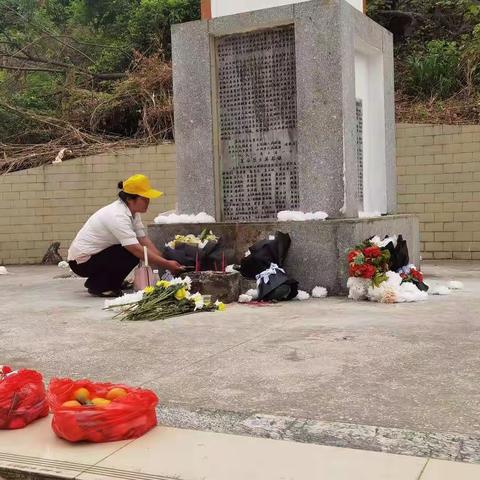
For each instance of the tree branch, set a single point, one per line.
(399, 13)
(65, 66)
(53, 122)
(109, 76)
(91, 44)
(30, 58)
(30, 69)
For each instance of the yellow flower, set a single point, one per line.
(180, 294)
(163, 284)
(220, 306)
(148, 290)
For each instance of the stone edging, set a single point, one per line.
(442, 446)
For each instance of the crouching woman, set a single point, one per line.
(111, 242)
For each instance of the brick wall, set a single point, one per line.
(438, 169)
(438, 180)
(47, 204)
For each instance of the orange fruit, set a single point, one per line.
(71, 403)
(116, 392)
(101, 402)
(81, 395)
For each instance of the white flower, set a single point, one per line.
(173, 218)
(319, 292)
(126, 299)
(63, 264)
(198, 299)
(302, 295)
(253, 292)
(410, 293)
(186, 282)
(389, 295)
(244, 298)
(3, 271)
(394, 291)
(293, 216)
(358, 288)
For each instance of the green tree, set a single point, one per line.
(149, 26)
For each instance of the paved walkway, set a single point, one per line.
(396, 378)
(174, 454)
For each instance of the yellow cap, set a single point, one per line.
(140, 185)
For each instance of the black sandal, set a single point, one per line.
(107, 294)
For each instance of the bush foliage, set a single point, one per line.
(437, 57)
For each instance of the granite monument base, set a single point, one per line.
(317, 256)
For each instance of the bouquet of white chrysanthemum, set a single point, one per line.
(199, 252)
(199, 241)
(166, 299)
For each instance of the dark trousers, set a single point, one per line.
(107, 269)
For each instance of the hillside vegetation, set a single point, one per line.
(437, 57)
(83, 76)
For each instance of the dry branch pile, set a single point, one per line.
(137, 110)
(71, 145)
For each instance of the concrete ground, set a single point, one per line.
(320, 366)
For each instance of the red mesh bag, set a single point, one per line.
(124, 418)
(22, 398)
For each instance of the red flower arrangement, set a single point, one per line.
(368, 261)
(352, 255)
(364, 271)
(418, 275)
(372, 252)
(413, 276)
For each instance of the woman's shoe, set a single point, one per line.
(107, 294)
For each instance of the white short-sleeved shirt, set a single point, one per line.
(111, 225)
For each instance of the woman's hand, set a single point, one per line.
(155, 259)
(174, 266)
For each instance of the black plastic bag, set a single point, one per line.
(264, 255)
(399, 256)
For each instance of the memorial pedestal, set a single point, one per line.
(317, 256)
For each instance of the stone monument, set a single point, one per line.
(288, 108)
